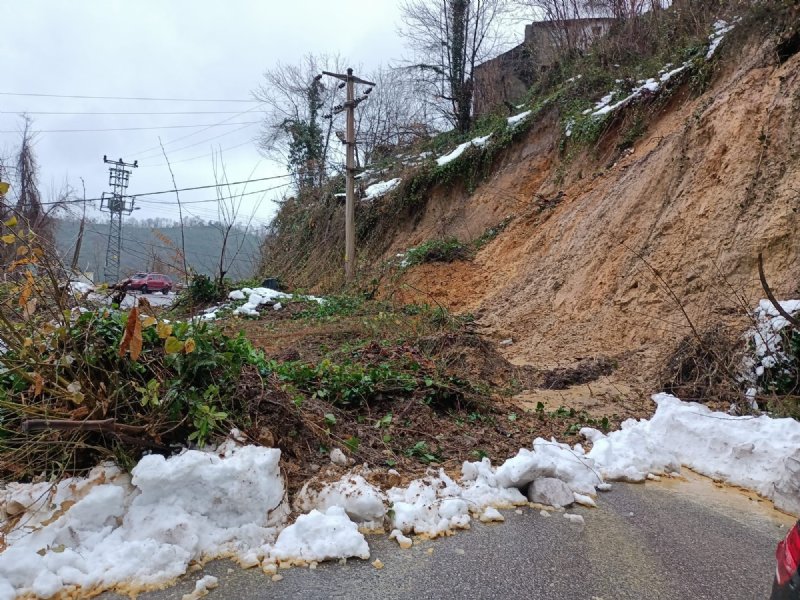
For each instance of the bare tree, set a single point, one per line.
(448, 39)
(180, 214)
(394, 116)
(229, 209)
(294, 130)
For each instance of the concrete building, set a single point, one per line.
(504, 80)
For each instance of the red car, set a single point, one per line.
(787, 575)
(148, 282)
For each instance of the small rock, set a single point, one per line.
(550, 491)
(491, 514)
(518, 511)
(585, 500)
(377, 563)
(277, 306)
(404, 542)
(544, 513)
(269, 568)
(459, 551)
(314, 467)
(338, 458)
(507, 342)
(277, 577)
(577, 519)
(312, 565)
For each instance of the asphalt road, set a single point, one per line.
(650, 542)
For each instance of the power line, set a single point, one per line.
(167, 143)
(231, 197)
(206, 125)
(199, 156)
(186, 147)
(189, 189)
(180, 112)
(144, 98)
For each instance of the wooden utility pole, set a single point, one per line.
(350, 140)
(76, 255)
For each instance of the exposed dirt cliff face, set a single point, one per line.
(599, 257)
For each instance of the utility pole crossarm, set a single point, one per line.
(349, 77)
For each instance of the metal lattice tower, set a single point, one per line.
(116, 203)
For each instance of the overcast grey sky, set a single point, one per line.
(194, 49)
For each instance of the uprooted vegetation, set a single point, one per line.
(82, 382)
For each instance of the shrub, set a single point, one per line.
(446, 250)
(108, 383)
(205, 290)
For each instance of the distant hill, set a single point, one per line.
(151, 245)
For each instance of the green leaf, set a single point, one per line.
(330, 418)
(352, 443)
(172, 345)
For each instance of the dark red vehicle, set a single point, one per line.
(787, 575)
(148, 282)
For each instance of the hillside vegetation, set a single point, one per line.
(149, 248)
(621, 212)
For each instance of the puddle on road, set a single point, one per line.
(732, 499)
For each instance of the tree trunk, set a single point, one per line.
(460, 87)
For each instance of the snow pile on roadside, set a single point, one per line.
(363, 502)
(108, 528)
(478, 142)
(553, 460)
(319, 536)
(757, 453)
(376, 190)
(437, 505)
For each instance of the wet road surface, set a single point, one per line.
(655, 541)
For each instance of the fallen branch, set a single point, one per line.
(105, 425)
(794, 322)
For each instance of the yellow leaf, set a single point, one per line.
(77, 397)
(132, 338)
(27, 342)
(164, 330)
(172, 345)
(22, 251)
(8, 238)
(11, 222)
(149, 322)
(4, 185)
(38, 384)
(27, 290)
(189, 346)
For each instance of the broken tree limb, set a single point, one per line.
(793, 321)
(105, 425)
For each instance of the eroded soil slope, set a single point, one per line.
(602, 249)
